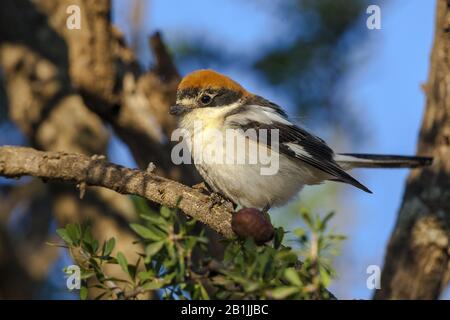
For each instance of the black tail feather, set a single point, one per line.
(357, 160)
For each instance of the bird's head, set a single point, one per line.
(206, 89)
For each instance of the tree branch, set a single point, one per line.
(95, 171)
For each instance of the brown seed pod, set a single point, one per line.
(251, 222)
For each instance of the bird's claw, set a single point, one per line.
(96, 157)
(216, 199)
(202, 187)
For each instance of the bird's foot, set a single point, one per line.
(266, 208)
(202, 187)
(216, 199)
(219, 199)
(265, 211)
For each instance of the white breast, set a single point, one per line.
(242, 183)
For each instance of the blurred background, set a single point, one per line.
(358, 89)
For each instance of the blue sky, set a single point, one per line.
(384, 91)
(389, 86)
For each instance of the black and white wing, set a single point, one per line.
(294, 141)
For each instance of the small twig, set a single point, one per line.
(164, 65)
(115, 289)
(82, 187)
(151, 167)
(133, 293)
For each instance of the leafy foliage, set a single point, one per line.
(176, 264)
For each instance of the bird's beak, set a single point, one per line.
(178, 110)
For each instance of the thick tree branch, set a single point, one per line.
(418, 255)
(94, 171)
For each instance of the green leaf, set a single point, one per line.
(203, 293)
(94, 265)
(325, 276)
(338, 237)
(123, 262)
(169, 277)
(153, 248)
(249, 245)
(283, 292)
(266, 262)
(87, 235)
(324, 222)
(109, 246)
(278, 238)
(95, 245)
(83, 293)
(140, 205)
(89, 243)
(146, 275)
(62, 233)
(74, 232)
(145, 232)
(172, 258)
(165, 212)
(251, 286)
(153, 285)
(292, 276)
(87, 275)
(155, 219)
(299, 232)
(307, 219)
(134, 268)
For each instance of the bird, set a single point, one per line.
(220, 104)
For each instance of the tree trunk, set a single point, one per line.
(417, 259)
(64, 86)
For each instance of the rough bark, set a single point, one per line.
(95, 171)
(417, 258)
(52, 102)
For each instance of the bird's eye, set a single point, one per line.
(205, 99)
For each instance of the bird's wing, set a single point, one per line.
(294, 141)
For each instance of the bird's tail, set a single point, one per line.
(355, 160)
